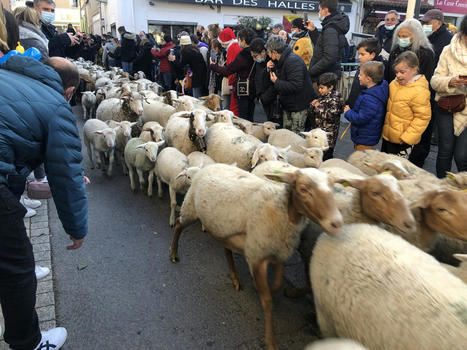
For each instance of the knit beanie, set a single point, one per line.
(298, 23)
(185, 40)
(226, 36)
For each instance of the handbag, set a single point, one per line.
(452, 104)
(243, 87)
(225, 89)
(39, 190)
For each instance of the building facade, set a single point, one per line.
(162, 16)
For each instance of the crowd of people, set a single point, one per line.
(412, 76)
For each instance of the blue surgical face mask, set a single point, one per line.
(404, 42)
(259, 59)
(321, 18)
(293, 32)
(427, 29)
(390, 27)
(47, 17)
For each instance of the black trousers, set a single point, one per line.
(421, 150)
(18, 282)
(246, 108)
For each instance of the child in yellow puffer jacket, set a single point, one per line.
(408, 110)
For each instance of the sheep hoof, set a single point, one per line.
(203, 228)
(236, 284)
(178, 208)
(174, 257)
(296, 292)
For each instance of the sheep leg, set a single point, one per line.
(85, 113)
(140, 178)
(260, 275)
(124, 166)
(174, 246)
(111, 162)
(173, 204)
(132, 178)
(159, 186)
(233, 272)
(150, 181)
(88, 147)
(278, 277)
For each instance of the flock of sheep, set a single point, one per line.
(264, 192)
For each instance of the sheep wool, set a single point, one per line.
(372, 286)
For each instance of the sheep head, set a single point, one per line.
(316, 138)
(108, 134)
(457, 180)
(312, 197)
(381, 200)
(265, 152)
(151, 149)
(224, 116)
(213, 102)
(313, 156)
(444, 211)
(268, 127)
(390, 165)
(133, 101)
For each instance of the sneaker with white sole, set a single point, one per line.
(30, 212)
(30, 203)
(52, 339)
(41, 271)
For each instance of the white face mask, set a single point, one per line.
(293, 32)
(404, 42)
(47, 17)
(428, 29)
(390, 27)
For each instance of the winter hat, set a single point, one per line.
(298, 23)
(226, 36)
(432, 14)
(185, 40)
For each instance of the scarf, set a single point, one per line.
(459, 49)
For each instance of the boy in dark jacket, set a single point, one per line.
(367, 117)
(368, 50)
(327, 110)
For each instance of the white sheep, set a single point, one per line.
(102, 139)
(141, 156)
(265, 152)
(123, 135)
(129, 107)
(340, 163)
(311, 157)
(186, 130)
(172, 168)
(89, 103)
(284, 137)
(335, 344)
(272, 166)
(157, 111)
(100, 96)
(258, 218)
(152, 131)
(372, 286)
(227, 144)
(224, 116)
(199, 159)
(461, 270)
(259, 130)
(101, 82)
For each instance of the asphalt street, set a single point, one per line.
(130, 296)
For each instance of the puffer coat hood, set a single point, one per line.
(408, 111)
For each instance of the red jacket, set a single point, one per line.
(162, 55)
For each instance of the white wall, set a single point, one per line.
(135, 14)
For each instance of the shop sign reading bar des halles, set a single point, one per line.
(311, 6)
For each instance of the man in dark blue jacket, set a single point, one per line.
(58, 43)
(128, 49)
(36, 126)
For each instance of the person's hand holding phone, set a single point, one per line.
(457, 81)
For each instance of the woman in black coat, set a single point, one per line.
(143, 60)
(190, 55)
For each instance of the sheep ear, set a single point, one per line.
(324, 148)
(424, 201)
(142, 145)
(255, 158)
(204, 98)
(280, 176)
(288, 148)
(160, 143)
(277, 125)
(132, 124)
(182, 173)
(373, 166)
(99, 132)
(222, 99)
(305, 133)
(460, 257)
(355, 183)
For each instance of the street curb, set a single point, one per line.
(38, 232)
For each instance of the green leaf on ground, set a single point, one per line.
(82, 266)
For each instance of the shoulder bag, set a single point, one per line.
(452, 104)
(243, 87)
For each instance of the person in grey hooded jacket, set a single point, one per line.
(329, 44)
(30, 34)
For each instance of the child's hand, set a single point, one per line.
(315, 103)
(346, 108)
(86, 180)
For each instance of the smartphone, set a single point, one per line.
(213, 55)
(305, 17)
(463, 77)
(171, 51)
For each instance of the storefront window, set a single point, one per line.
(159, 30)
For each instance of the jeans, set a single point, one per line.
(18, 282)
(246, 108)
(226, 102)
(39, 172)
(449, 145)
(168, 79)
(197, 92)
(127, 66)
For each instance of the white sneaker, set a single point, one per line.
(30, 212)
(41, 272)
(52, 339)
(30, 203)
